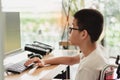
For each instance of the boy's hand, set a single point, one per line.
(38, 62)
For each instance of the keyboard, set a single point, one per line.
(18, 67)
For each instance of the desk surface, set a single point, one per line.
(47, 72)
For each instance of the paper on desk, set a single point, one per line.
(44, 75)
(28, 77)
(32, 70)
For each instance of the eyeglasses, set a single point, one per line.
(71, 28)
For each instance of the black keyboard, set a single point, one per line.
(18, 67)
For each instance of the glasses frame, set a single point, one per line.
(71, 28)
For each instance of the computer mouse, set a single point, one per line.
(35, 55)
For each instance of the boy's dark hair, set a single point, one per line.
(90, 20)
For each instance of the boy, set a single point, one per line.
(86, 30)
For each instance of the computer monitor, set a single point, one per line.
(12, 37)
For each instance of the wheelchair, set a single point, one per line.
(111, 72)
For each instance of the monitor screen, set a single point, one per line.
(12, 37)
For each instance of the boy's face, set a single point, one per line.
(74, 37)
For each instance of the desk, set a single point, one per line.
(44, 73)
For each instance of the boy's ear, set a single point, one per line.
(84, 34)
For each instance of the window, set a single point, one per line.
(111, 11)
(39, 20)
(46, 23)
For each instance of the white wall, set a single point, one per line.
(1, 43)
